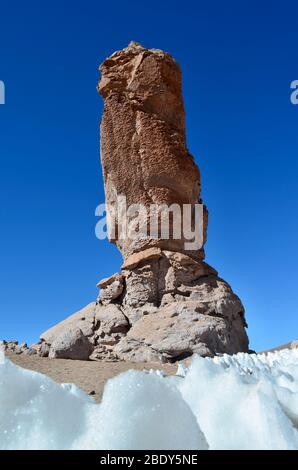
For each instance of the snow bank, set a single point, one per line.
(141, 411)
(138, 411)
(245, 401)
(232, 402)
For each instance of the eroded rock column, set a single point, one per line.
(166, 303)
(143, 144)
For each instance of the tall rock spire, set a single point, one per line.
(143, 143)
(175, 303)
(166, 303)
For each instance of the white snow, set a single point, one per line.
(231, 402)
(245, 401)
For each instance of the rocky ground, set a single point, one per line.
(90, 376)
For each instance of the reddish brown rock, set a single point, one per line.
(137, 258)
(143, 144)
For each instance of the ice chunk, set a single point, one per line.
(142, 411)
(138, 411)
(232, 402)
(245, 401)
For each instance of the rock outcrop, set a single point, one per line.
(143, 143)
(166, 303)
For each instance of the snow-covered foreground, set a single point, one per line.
(230, 402)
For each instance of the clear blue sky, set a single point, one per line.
(238, 60)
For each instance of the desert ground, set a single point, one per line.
(90, 376)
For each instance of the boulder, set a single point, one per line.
(71, 344)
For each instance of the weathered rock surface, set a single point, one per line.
(143, 143)
(177, 306)
(212, 325)
(166, 303)
(172, 307)
(112, 325)
(111, 288)
(71, 344)
(91, 332)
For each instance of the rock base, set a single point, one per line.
(163, 306)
